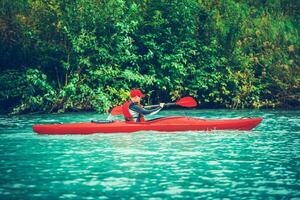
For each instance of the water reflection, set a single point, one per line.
(258, 164)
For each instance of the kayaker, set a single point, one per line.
(133, 110)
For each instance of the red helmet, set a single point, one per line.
(136, 92)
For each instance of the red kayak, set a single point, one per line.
(164, 124)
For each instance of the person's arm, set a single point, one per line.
(143, 111)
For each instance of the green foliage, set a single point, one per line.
(28, 88)
(58, 56)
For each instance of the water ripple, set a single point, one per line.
(259, 164)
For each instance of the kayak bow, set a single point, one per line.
(164, 124)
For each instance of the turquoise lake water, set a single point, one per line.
(259, 164)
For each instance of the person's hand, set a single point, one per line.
(161, 105)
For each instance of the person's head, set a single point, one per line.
(136, 95)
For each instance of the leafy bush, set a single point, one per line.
(59, 56)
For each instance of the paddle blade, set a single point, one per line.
(117, 111)
(188, 102)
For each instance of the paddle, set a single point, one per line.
(188, 102)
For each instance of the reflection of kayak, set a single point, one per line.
(164, 124)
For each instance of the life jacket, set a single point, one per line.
(125, 108)
(127, 115)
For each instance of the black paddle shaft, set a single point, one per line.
(154, 106)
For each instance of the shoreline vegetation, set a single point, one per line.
(65, 56)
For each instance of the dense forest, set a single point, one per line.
(66, 55)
